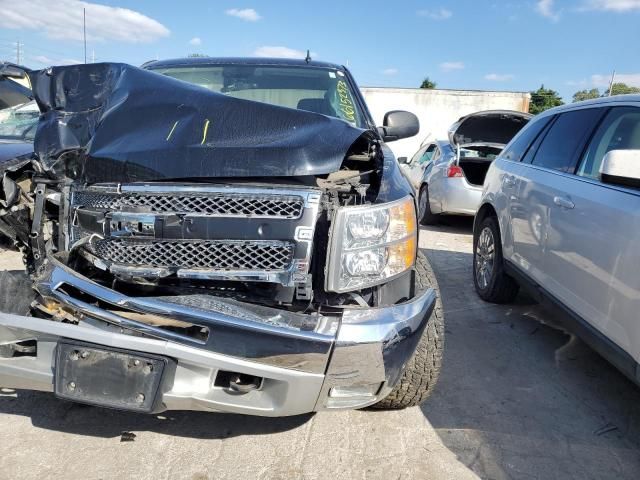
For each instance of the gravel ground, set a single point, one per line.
(516, 399)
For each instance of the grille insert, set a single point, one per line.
(213, 255)
(218, 204)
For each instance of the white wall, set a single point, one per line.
(436, 109)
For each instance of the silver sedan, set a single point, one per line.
(449, 174)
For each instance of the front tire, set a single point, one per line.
(425, 216)
(422, 370)
(489, 278)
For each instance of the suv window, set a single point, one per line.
(565, 138)
(518, 148)
(620, 130)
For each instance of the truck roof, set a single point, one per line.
(293, 62)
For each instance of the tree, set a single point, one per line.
(544, 99)
(621, 89)
(586, 95)
(428, 83)
(197, 55)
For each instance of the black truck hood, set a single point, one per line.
(112, 122)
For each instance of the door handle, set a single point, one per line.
(563, 202)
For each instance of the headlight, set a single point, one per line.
(371, 244)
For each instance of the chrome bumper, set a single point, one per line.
(302, 361)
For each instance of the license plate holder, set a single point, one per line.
(108, 377)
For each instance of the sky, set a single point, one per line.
(567, 45)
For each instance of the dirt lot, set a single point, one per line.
(516, 399)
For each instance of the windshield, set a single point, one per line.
(319, 90)
(19, 122)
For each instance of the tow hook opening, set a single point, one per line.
(26, 348)
(237, 383)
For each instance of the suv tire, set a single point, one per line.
(424, 213)
(422, 370)
(489, 278)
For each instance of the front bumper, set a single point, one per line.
(301, 359)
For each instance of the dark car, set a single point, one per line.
(217, 234)
(18, 114)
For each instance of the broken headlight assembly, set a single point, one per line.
(371, 244)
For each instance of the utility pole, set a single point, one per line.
(84, 32)
(18, 52)
(613, 77)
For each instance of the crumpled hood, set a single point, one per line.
(113, 122)
(491, 127)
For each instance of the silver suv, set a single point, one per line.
(560, 216)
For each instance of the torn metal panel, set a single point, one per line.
(118, 123)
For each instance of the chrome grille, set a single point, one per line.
(219, 204)
(214, 255)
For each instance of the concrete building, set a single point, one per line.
(437, 109)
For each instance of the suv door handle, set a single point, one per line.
(563, 202)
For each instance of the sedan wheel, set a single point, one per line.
(424, 209)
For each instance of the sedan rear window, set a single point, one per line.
(314, 89)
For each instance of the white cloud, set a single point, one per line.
(546, 9)
(390, 71)
(451, 66)
(631, 79)
(577, 83)
(499, 77)
(280, 52)
(44, 60)
(436, 13)
(612, 5)
(246, 14)
(64, 21)
(196, 41)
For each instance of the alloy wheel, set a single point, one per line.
(485, 258)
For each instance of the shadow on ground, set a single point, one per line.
(50, 413)
(518, 398)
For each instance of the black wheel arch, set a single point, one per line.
(485, 210)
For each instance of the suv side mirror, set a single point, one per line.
(399, 124)
(621, 167)
(403, 160)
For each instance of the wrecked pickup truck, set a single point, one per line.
(223, 235)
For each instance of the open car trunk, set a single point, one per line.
(475, 169)
(480, 137)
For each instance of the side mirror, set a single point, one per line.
(399, 124)
(8, 70)
(621, 167)
(403, 160)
